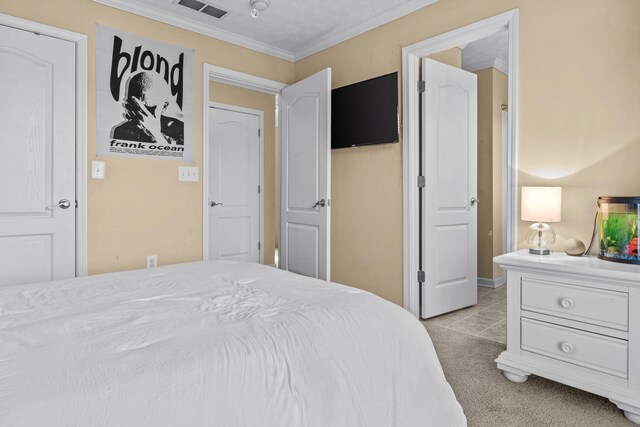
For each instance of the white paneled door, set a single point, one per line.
(37, 165)
(305, 176)
(449, 204)
(234, 179)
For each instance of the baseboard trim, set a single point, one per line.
(491, 283)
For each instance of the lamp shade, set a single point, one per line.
(541, 204)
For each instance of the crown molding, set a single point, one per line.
(364, 26)
(323, 43)
(243, 80)
(189, 24)
(501, 66)
(496, 63)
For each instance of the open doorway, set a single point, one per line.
(242, 171)
(255, 96)
(466, 91)
(488, 59)
(304, 166)
(251, 217)
(500, 189)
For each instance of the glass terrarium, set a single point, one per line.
(618, 223)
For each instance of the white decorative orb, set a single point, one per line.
(540, 235)
(574, 247)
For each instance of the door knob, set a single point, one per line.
(320, 203)
(62, 204)
(474, 201)
(214, 204)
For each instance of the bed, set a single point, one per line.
(214, 343)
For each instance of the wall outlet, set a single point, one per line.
(152, 261)
(187, 173)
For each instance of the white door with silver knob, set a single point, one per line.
(234, 180)
(38, 163)
(449, 202)
(305, 177)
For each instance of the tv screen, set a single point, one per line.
(365, 113)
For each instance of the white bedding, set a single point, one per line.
(214, 344)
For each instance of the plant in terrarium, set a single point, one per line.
(618, 229)
(619, 234)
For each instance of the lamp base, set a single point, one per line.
(540, 251)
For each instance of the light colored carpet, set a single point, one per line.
(489, 399)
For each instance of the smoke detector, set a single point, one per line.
(258, 6)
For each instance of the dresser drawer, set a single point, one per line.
(592, 351)
(596, 306)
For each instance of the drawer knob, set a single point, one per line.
(566, 303)
(566, 347)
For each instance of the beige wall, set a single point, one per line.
(579, 112)
(578, 124)
(492, 93)
(485, 173)
(140, 208)
(276, 185)
(264, 102)
(451, 57)
(578, 128)
(500, 97)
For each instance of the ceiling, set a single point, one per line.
(288, 29)
(490, 52)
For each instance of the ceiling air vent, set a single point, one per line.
(192, 4)
(207, 9)
(214, 11)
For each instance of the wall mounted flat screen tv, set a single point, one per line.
(365, 113)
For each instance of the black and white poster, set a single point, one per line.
(145, 97)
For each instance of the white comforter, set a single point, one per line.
(214, 344)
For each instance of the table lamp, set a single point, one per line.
(541, 205)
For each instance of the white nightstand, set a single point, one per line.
(575, 320)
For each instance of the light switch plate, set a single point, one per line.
(97, 169)
(188, 173)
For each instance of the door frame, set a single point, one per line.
(205, 184)
(234, 78)
(410, 135)
(80, 40)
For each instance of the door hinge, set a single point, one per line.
(422, 181)
(259, 245)
(421, 86)
(259, 189)
(259, 133)
(421, 276)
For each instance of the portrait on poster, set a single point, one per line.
(145, 97)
